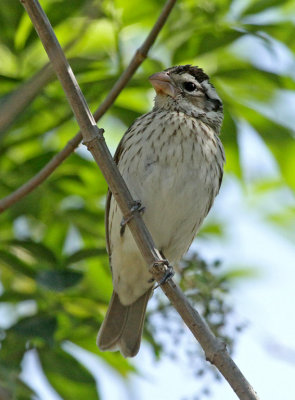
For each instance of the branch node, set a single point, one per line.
(212, 354)
(98, 135)
(160, 267)
(140, 56)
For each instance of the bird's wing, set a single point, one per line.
(109, 196)
(106, 221)
(117, 156)
(220, 167)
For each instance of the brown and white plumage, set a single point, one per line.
(172, 161)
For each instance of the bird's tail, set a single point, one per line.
(123, 325)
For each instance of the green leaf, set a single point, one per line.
(39, 250)
(67, 376)
(229, 137)
(257, 6)
(114, 359)
(84, 219)
(39, 326)
(284, 153)
(218, 39)
(11, 354)
(24, 29)
(84, 254)
(14, 262)
(211, 229)
(236, 274)
(59, 280)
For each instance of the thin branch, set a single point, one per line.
(215, 350)
(135, 62)
(19, 99)
(22, 96)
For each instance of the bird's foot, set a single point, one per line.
(168, 272)
(137, 206)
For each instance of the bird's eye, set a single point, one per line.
(189, 86)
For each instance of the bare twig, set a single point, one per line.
(135, 62)
(215, 351)
(21, 97)
(18, 100)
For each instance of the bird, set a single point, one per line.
(172, 160)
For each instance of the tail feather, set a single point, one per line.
(123, 325)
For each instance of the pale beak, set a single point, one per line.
(162, 84)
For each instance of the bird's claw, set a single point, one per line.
(137, 206)
(168, 274)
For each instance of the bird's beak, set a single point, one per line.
(162, 84)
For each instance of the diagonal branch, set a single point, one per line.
(19, 99)
(23, 95)
(135, 62)
(215, 351)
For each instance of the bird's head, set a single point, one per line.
(187, 89)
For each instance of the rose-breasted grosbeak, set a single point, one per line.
(172, 160)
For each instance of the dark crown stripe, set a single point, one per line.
(196, 72)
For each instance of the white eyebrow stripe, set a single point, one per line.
(211, 93)
(187, 77)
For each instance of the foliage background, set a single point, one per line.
(55, 280)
